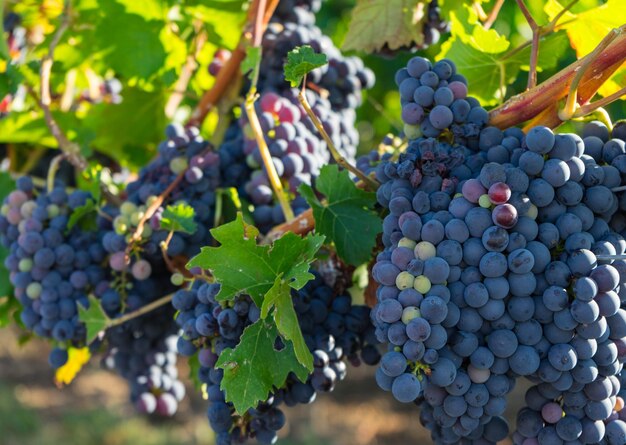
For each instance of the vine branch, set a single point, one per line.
(141, 311)
(231, 67)
(541, 102)
(70, 150)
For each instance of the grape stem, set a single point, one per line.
(231, 67)
(369, 182)
(540, 104)
(70, 150)
(164, 245)
(594, 106)
(150, 211)
(493, 15)
(273, 177)
(141, 311)
(187, 72)
(534, 53)
(619, 189)
(571, 104)
(52, 171)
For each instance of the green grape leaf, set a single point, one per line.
(300, 61)
(255, 366)
(79, 215)
(94, 318)
(279, 298)
(223, 20)
(252, 63)
(392, 23)
(587, 28)
(90, 181)
(228, 205)
(9, 306)
(486, 59)
(179, 218)
(241, 266)
(345, 216)
(7, 184)
(194, 366)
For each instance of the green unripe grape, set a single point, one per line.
(25, 265)
(412, 131)
(149, 202)
(4, 210)
(178, 165)
(251, 162)
(404, 280)
(128, 208)
(146, 232)
(422, 284)
(135, 217)
(484, 201)
(53, 211)
(407, 242)
(28, 208)
(177, 279)
(532, 212)
(409, 313)
(424, 250)
(33, 290)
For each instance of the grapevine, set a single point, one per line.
(228, 189)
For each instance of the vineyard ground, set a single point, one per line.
(94, 410)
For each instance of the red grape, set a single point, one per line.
(499, 193)
(504, 215)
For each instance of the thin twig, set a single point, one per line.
(141, 311)
(619, 189)
(571, 104)
(540, 104)
(186, 73)
(70, 149)
(534, 52)
(371, 183)
(272, 175)
(593, 106)
(493, 15)
(52, 171)
(231, 67)
(166, 258)
(150, 211)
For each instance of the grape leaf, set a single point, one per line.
(79, 214)
(300, 61)
(376, 23)
(586, 29)
(179, 218)
(345, 217)
(8, 305)
(279, 298)
(243, 267)
(223, 20)
(484, 59)
(76, 359)
(7, 184)
(255, 366)
(94, 318)
(252, 62)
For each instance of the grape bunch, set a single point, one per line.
(500, 278)
(298, 151)
(53, 266)
(434, 99)
(143, 351)
(334, 329)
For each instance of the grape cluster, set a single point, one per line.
(334, 330)
(298, 151)
(497, 276)
(53, 267)
(434, 99)
(143, 351)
